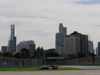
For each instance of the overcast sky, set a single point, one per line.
(39, 20)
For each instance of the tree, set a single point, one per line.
(8, 54)
(17, 55)
(0, 53)
(40, 52)
(80, 55)
(93, 57)
(72, 56)
(51, 54)
(24, 53)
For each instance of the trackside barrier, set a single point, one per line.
(17, 63)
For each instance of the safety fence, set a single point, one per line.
(79, 61)
(5, 61)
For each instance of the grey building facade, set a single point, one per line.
(76, 43)
(98, 48)
(27, 44)
(72, 45)
(84, 44)
(4, 48)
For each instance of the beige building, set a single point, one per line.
(27, 44)
(72, 45)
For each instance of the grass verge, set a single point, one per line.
(69, 68)
(35, 69)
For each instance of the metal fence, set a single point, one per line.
(5, 61)
(79, 61)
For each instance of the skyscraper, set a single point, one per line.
(60, 39)
(12, 41)
(98, 48)
(90, 46)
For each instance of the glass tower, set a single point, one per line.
(12, 41)
(60, 39)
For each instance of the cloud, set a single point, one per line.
(38, 20)
(88, 2)
(96, 25)
(39, 33)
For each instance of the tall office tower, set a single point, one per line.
(98, 48)
(12, 41)
(76, 43)
(90, 47)
(60, 39)
(27, 44)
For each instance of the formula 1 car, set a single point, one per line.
(48, 67)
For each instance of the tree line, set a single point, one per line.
(25, 53)
(39, 52)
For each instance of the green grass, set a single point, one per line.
(35, 69)
(18, 69)
(69, 68)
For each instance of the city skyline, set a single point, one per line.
(39, 20)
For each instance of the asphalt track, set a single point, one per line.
(87, 70)
(86, 67)
(70, 72)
